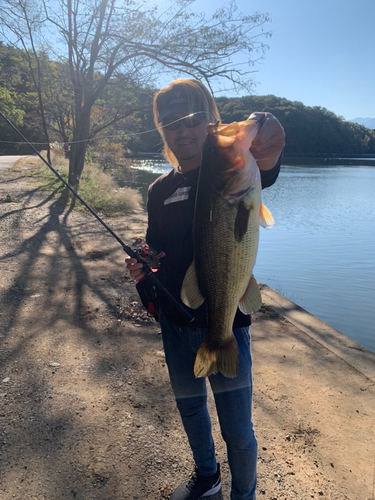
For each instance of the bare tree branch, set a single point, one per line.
(102, 39)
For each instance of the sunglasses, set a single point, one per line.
(189, 121)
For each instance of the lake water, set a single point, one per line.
(321, 252)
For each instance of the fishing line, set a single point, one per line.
(150, 275)
(131, 134)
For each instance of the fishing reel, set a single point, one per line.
(147, 254)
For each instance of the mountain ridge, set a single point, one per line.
(367, 122)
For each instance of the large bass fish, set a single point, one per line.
(227, 216)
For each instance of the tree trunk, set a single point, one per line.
(79, 146)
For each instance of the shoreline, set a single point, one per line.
(353, 353)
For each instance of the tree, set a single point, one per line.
(18, 101)
(100, 40)
(23, 20)
(59, 103)
(9, 78)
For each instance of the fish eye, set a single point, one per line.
(210, 150)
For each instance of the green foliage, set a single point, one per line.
(88, 156)
(100, 191)
(122, 121)
(310, 131)
(97, 188)
(18, 102)
(8, 107)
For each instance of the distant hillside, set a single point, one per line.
(310, 131)
(367, 122)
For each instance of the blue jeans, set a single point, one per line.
(233, 399)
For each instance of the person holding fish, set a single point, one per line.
(204, 217)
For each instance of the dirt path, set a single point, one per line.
(7, 161)
(86, 409)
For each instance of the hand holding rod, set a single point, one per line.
(150, 275)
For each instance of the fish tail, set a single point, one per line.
(219, 358)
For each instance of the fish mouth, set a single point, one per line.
(225, 138)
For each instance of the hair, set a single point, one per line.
(199, 100)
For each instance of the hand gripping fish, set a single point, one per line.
(227, 216)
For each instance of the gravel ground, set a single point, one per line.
(86, 409)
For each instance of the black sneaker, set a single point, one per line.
(199, 486)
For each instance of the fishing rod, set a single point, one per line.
(149, 274)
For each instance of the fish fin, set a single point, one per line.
(251, 300)
(242, 221)
(265, 217)
(190, 293)
(213, 359)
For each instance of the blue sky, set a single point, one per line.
(322, 52)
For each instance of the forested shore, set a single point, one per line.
(311, 131)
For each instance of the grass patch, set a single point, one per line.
(97, 188)
(9, 199)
